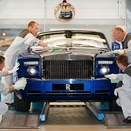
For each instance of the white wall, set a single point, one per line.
(128, 15)
(91, 12)
(100, 15)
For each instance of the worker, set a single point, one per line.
(123, 92)
(18, 85)
(21, 43)
(124, 38)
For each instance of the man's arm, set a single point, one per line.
(129, 44)
(128, 51)
(41, 43)
(20, 84)
(8, 72)
(5, 90)
(11, 88)
(4, 73)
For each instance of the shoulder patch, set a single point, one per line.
(128, 71)
(23, 33)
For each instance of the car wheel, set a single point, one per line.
(21, 105)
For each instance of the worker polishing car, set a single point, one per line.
(124, 91)
(21, 43)
(20, 84)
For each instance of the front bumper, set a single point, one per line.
(68, 90)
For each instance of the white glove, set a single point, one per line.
(14, 69)
(39, 49)
(111, 76)
(115, 92)
(20, 84)
(50, 49)
(117, 52)
(36, 48)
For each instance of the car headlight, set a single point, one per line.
(32, 71)
(104, 70)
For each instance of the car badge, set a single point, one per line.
(68, 87)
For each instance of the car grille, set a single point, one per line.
(67, 69)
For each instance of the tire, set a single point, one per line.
(21, 105)
(113, 105)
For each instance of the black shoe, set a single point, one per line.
(10, 104)
(127, 120)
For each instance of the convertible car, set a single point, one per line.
(72, 69)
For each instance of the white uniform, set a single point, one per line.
(3, 88)
(19, 45)
(124, 94)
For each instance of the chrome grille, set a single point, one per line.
(67, 69)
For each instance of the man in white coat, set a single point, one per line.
(8, 89)
(21, 43)
(123, 92)
(20, 84)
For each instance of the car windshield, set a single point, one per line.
(75, 40)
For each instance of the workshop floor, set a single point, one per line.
(72, 117)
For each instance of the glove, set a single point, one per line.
(116, 92)
(50, 49)
(20, 84)
(111, 76)
(14, 69)
(117, 52)
(37, 48)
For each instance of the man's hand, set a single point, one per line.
(14, 69)
(111, 76)
(115, 92)
(50, 48)
(20, 84)
(38, 49)
(117, 52)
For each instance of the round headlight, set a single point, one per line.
(32, 71)
(104, 70)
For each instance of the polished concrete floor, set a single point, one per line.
(74, 117)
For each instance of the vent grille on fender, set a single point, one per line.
(67, 69)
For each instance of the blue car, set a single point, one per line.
(72, 70)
